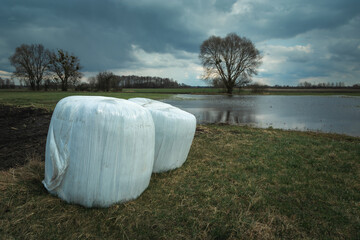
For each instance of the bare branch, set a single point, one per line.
(31, 63)
(66, 67)
(232, 59)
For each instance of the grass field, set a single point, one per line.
(49, 99)
(238, 183)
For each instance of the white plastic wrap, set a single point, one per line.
(99, 150)
(174, 133)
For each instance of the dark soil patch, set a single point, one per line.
(23, 132)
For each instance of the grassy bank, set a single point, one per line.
(238, 183)
(48, 100)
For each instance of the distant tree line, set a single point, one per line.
(108, 81)
(148, 82)
(322, 85)
(257, 87)
(7, 83)
(37, 66)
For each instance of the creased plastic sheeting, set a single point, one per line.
(99, 150)
(174, 133)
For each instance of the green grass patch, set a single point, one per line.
(49, 99)
(238, 183)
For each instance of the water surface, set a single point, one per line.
(337, 114)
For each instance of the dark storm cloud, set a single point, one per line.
(346, 50)
(101, 33)
(105, 34)
(286, 19)
(224, 5)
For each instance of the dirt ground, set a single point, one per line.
(23, 132)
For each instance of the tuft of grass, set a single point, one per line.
(237, 183)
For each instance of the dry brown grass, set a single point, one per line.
(238, 183)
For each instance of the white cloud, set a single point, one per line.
(261, 81)
(299, 39)
(241, 7)
(279, 49)
(5, 74)
(276, 55)
(177, 64)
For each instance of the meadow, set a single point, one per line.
(237, 183)
(49, 99)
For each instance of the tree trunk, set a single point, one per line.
(32, 85)
(229, 89)
(64, 86)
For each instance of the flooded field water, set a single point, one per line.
(336, 114)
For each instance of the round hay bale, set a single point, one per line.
(174, 133)
(99, 150)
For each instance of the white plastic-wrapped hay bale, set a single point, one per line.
(174, 133)
(99, 150)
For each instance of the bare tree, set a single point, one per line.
(104, 80)
(31, 63)
(66, 67)
(232, 59)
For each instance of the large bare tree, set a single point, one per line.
(31, 63)
(231, 60)
(66, 67)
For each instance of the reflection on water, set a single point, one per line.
(212, 115)
(318, 113)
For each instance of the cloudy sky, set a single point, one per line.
(300, 40)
